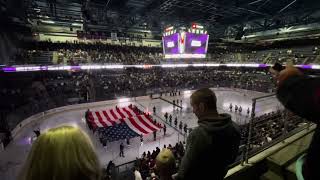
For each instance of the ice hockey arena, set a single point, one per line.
(159, 90)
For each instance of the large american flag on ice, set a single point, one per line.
(119, 123)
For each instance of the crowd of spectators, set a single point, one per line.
(82, 53)
(74, 53)
(146, 164)
(270, 126)
(46, 90)
(114, 55)
(185, 78)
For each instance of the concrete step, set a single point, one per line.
(270, 175)
(291, 171)
(288, 155)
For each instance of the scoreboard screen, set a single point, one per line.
(170, 44)
(196, 43)
(185, 45)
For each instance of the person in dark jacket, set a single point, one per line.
(121, 150)
(110, 168)
(154, 135)
(166, 116)
(185, 128)
(175, 122)
(215, 141)
(87, 114)
(180, 125)
(301, 95)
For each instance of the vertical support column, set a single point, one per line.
(285, 121)
(247, 148)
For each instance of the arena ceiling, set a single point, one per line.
(155, 15)
(209, 11)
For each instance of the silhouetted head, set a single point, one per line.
(203, 101)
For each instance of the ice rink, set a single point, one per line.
(16, 152)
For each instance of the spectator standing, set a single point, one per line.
(110, 169)
(216, 139)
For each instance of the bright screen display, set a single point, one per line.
(185, 45)
(170, 44)
(196, 43)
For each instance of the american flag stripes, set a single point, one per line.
(139, 123)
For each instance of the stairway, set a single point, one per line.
(265, 60)
(316, 60)
(44, 58)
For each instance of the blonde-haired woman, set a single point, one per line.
(63, 153)
(165, 164)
